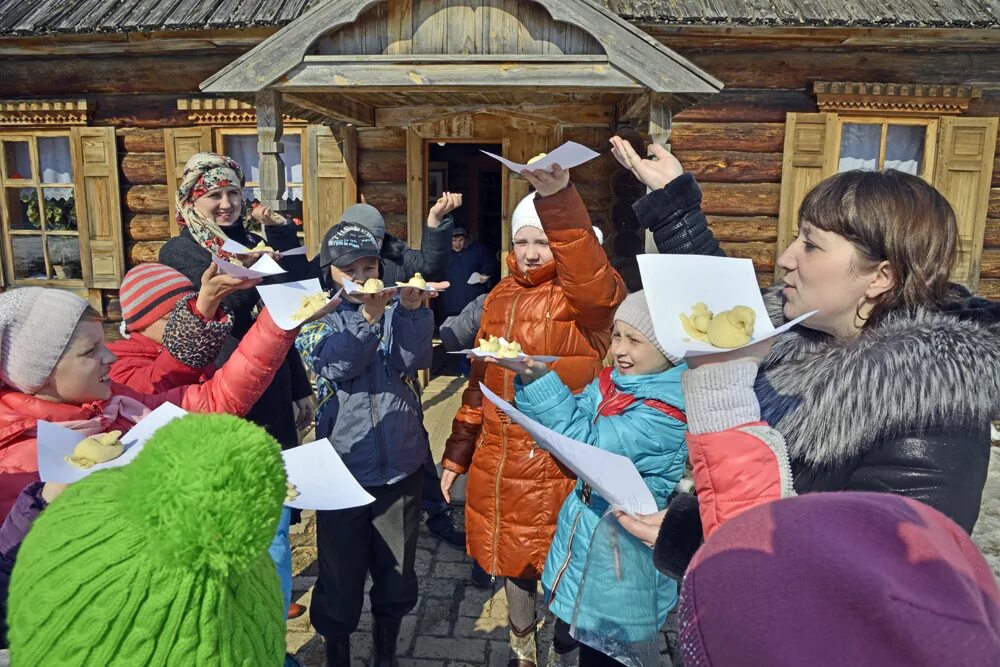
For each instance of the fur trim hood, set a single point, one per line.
(911, 373)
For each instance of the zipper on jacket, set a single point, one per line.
(565, 565)
(503, 444)
(380, 452)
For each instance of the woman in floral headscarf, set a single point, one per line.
(209, 211)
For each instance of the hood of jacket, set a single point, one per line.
(20, 413)
(915, 371)
(393, 248)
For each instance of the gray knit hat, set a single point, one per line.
(635, 311)
(28, 356)
(368, 216)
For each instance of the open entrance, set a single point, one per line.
(462, 167)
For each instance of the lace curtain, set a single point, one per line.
(860, 145)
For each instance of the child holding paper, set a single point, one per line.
(559, 299)
(367, 354)
(634, 409)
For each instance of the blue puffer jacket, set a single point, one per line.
(654, 442)
(370, 410)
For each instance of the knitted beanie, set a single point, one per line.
(150, 291)
(840, 578)
(36, 325)
(525, 215)
(634, 311)
(368, 216)
(160, 562)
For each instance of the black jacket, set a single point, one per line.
(903, 408)
(400, 262)
(274, 409)
(474, 258)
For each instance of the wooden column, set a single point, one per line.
(270, 129)
(659, 133)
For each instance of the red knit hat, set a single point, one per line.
(150, 291)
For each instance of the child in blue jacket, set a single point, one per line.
(366, 355)
(634, 409)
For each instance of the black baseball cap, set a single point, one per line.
(345, 243)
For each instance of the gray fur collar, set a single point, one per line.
(912, 373)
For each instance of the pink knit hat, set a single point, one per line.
(36, 325)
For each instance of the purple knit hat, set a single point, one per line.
(840, 578)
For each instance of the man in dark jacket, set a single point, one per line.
(471, 271)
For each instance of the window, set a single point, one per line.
(912, 128)
(241, 145)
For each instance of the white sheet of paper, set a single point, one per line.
(238, 248)
(476, 278)
(263, 267)
(56, 442)
(567, 156)
(612, 475)
(352, 287)
(674, 283)
(322, 479)
(283, 300)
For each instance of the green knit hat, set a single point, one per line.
(160, 562)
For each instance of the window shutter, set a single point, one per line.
(99, 207)
(810, 156)
(331, 180)
(180, 144)
(963, 173)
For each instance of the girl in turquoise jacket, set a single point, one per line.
(596, 577)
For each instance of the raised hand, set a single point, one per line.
(216, 286)
(265, 216)
(447, 203)
(547, 183)
(653, 173)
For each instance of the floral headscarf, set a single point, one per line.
(203, 173)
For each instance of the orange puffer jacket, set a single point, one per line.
(563, 308)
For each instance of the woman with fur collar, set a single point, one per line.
(890, 387)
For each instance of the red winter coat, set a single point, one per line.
(146, 366)
(233, 390)
(565, 308)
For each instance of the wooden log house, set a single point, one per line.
(325, 101)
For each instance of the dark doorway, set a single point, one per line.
(460, 167)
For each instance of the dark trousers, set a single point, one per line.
(432, 501)
(380, 538)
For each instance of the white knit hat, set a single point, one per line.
(525, 215)
(36, 324)
(635, 312)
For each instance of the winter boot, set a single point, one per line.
(523, 647)
(385, 633)
(338, 650)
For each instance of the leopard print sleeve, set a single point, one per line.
(191, 339)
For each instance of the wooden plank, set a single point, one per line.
(745, 137)
(399, 26)
(740, 198)
(762, 254)
(598, 170)
(381, 166)
(498, 25)
(991, 233)
(386, 197)
(315, 75)
(989, 265)
(148, 199)
(462, 29)
(430, 26)
(798, 69)
(381, 138)
(732, 167)
(744, 228)
(989, 288)
(993, 210)
(576, 114)
(336, 107)
(415, 189)
(147, 227)
(138, 110)
(144, 168)
(747, 106)
(140, 140)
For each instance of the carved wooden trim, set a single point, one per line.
(21, 113)
(222, 111)
(894, 98)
